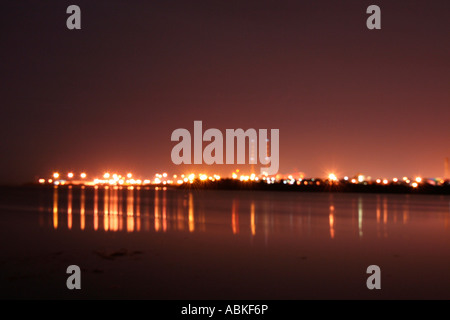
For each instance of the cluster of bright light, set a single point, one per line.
(269, 180)
(116, 179)
(405, 180)
(246, 178)
(332, 177)
(70, 175)
(251, 177)
(189, 178)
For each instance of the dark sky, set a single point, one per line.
(108, 96)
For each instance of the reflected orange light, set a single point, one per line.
(69, 208)
(130, 224)
(82, 217)
(157, 222)
(106, 222)
(252, 218)
(191, 213)
(331, 221)
(385, 211)
(55, 207)
(130, 202)
(96, 208)
(235, 217)
(106, 201)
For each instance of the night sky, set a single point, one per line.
(107, 97)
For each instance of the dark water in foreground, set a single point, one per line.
(175, 244)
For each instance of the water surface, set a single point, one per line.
(205, 244)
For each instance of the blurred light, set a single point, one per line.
(56, 175)
(70, 174)
(360, 178)
(106, 175)
(385, 181)
(415, 184)
(346, 178)
(83, 175)
(332, 177)
(41, 180)
(378, 180)
(395, 180)
(418, 179)
(129, 175)
(164, 175)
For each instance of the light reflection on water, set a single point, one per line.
(136, 209)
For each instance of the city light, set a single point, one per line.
(118, 179)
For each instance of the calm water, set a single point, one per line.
(172, 244)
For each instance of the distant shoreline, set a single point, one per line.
(316, 186)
